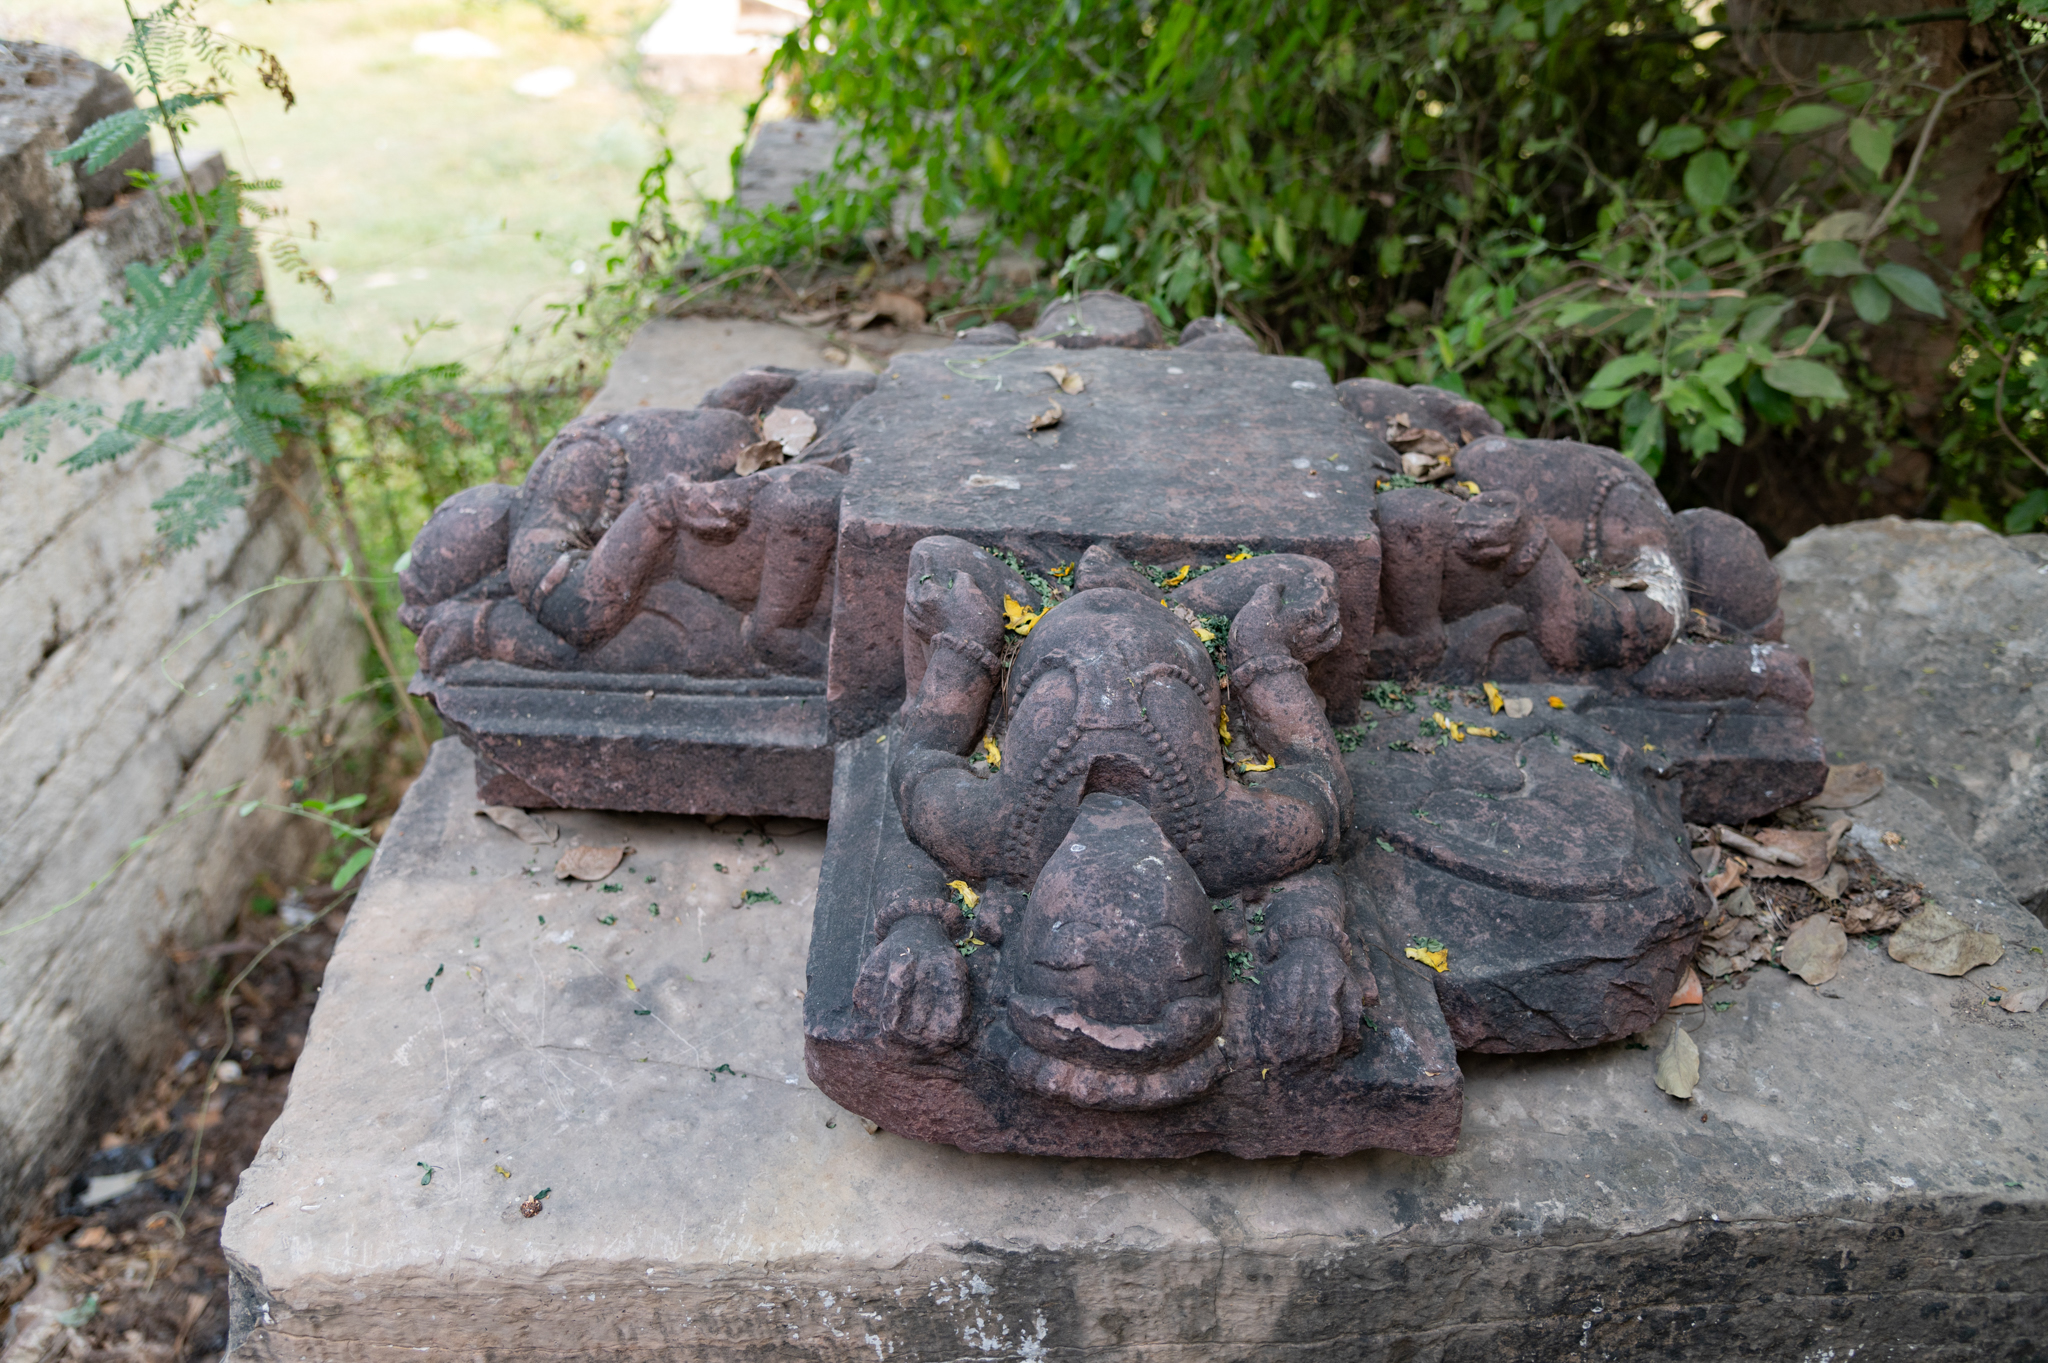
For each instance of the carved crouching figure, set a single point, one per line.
(1565, 565)
(1111, 827)
(637, 545)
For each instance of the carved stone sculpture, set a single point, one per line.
(1082, 918)
(652, 551)
(1218, 750)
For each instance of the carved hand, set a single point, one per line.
(946, 601)
(714, 512)
(1302, 622)
(1495, 528)
(915, 984)
(1309, 1006)
(450, 634)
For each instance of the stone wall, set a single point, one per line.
(133, 683)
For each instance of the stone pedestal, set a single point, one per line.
(1862, 1166)
(1163, 453)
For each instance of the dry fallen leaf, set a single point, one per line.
(1409, 438)
(1728, 877)
(1067, 379)
(1937, 942)
(1425, 468)
(1688, 990)
(1518, 707)
(1835, 832)
(1046, 419)
(528, 828)
(1814, 950)
(1878, 915)
(763, 454)
(1810, 850)
(589, 863)
(2028, 1000)
(1777, 856)
(791, 427)
(899, 308)
(1678, 1066)
(1849, 786)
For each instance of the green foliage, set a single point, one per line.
(105, 140)
(1589, 214)
(211, 284)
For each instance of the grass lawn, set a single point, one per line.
(451, 209)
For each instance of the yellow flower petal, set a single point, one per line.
(1016, 618)
(1064, 570)
(1180, 576)
(1449, 725)
(1238, 557)
(1223, 726)
(1439, 961)
(1266, 765)
(1591, 759)
(1204, 634)
(1557, 702)
(1479, 732)
(1494, 699)
(967, 893)
(1470, 487)
(991, 752)
(632, 986)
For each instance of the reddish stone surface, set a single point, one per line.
(1082, 897)
(1161, 467)
(640, 625)
(1400, 1089)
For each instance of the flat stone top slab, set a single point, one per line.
(674, 362)
(1847, 1144)
(1194, 445)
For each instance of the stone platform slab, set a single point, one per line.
(1862, 1168)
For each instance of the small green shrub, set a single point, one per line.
(1593, 215)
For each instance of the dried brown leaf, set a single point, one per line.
(763, 454)
(899, 308)
(1067, 379)
(1728, 877)
(1814, 949)
(589, 863)
(1758, 851)
(2028, 1000)
(1849, 786)
(1939, 943)
(1678, 1066)
(1046, 420)
(791, 427)
(1806, 852)
(528, 828)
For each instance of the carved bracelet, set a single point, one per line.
(969, 650)
(1245, 673)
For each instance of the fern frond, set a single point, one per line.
(199, 504)
(162, 317)
(38, 421)
(102, 143)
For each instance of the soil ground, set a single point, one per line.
(142, 1275)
